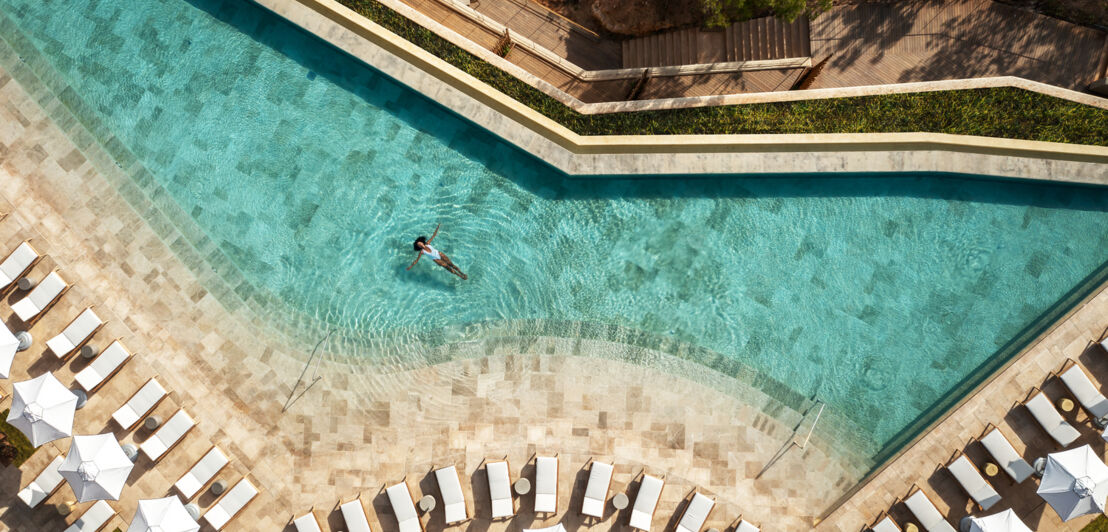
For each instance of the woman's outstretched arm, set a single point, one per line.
(436, 233)
(418, 255)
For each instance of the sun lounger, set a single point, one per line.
(500, 489)
(230, 504)
(307, 522)
(76, 334)
(202, 472)
(403, 505)
(973, 482)
(453, 499)
(885, 524)
(1005, 455)
(696, 513)
(93, 519)
(45, 484)
(546, 484)
(1049, 418)
(746, 526)
(353, 513)
(17, 264)
(930, 518)
(42, 297)
(167, 436)
(646, 502)
(103, 367)
(1084, 390)
(140, 404)
(596, 491)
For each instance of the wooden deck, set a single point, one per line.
(549, 30)
(928, 40)
(869, 44)
(752, 40)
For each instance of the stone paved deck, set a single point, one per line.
(355, 430)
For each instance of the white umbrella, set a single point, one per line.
(42, 409)
(1075, 482)
(96, 467)
(162, 515)
(1005, 521)
(9, 344)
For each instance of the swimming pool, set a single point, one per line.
(311, 174)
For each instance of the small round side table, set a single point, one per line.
(25, 283)
(218, 487)
(523, 486)
(25, 340)
(620, 501)
(991, 469)
(911, 527)
(82, 397)
(1065, 405)
(427, 503)
(152, 422)
(88, 351)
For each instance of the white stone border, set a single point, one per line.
(685, 154)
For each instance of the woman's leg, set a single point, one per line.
(455, 269)
(445, 263)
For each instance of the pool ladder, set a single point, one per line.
(293, 396)
(793, 439)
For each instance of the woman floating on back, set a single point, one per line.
(423, 246)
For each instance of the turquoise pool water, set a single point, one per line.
(313, 173)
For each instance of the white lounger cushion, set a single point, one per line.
(642, 513)
(695, 514)
(1051, 420)
(167, 435)
(354, 515)
(307, 523)
(140, 404)
(972, 481)
(231, 504)
(886, 525)
(40, 297)
(208, 467)
(16, 263)
(93, 519)
(1006, 456)
(1085, 392)
(453, 500)
(401, 500)
(500, 489)
(596, 491)
(75, 333)
(43, 485)
(930, 518)
(746, 526)
(546, 484)
(103, 366)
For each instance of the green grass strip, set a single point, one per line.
(22, 445)
(996, 112)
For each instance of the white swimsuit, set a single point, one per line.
(434, 253)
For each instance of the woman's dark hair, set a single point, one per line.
(418, 241)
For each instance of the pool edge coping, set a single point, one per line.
(628, 155)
